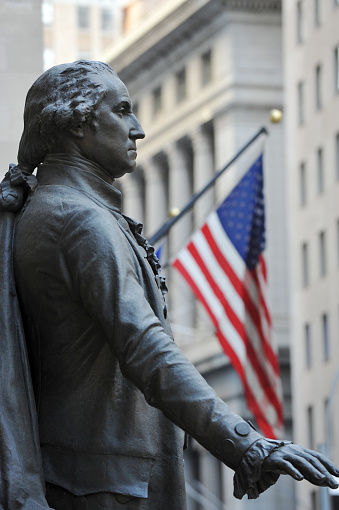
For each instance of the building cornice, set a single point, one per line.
(167, 29)
(253, 5)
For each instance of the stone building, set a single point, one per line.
(311, 50)
(78, 29)
(20, 65)
(203, 76)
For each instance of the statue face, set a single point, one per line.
(113, 144)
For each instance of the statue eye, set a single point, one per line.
(124, 110)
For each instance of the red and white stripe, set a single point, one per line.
(235, 299)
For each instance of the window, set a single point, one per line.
(303, 188)
(322, 254)
(310, 426)
(83, 16)
(157, 101)
(318, 87)
(300, 22)
(48, 58)
(206, 68)
(106, 20)
(314, 504)
(320, 170)
(47, 13)
(336, 67)
(301, 100)
(337, 156)
(181, 85)
(317, 13)
(325, 336)
(326, 409)
(304, 262)
(308, 345)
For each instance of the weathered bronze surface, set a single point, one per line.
(112, 392)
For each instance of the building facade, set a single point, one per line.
(20, 65)
(79, 29)
(311, 50)
(203, 77)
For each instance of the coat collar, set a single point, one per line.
(81, 174)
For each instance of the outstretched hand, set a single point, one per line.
(301, 463)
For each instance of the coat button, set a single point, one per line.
(242, 428)
(228, 446)
(165, 311)
(79, 503)
(122, 499)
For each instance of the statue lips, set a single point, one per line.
(133, 150)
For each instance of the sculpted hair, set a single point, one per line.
(61, 98)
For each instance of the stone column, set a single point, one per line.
(156, 197)
(133, 196)
(181, 298)
(210, 476)
(203, 170)
(180, 191)
(203, 162)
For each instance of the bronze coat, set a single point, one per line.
(113, 391)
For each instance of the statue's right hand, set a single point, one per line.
(301, 463)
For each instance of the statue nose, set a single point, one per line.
(137, 132)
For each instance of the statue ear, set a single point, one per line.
(77, 131)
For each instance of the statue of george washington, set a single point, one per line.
(102, 423)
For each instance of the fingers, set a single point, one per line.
(278, 464)
(302, 463)
(309, 458)
(327, 463)
(288, 469)
(312, 473)
(316, 468)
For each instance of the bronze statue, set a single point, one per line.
(113, 392)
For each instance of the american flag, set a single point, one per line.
(224, 265)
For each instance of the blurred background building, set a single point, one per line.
(311, 55)
(78, 29)
(203, 76)
(20, 64)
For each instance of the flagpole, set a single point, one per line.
(164, 229)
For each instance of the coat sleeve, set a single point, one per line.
(103, 270)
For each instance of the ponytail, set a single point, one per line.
(15, 188)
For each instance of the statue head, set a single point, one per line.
(61, 98)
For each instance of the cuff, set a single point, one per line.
(248, 478)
